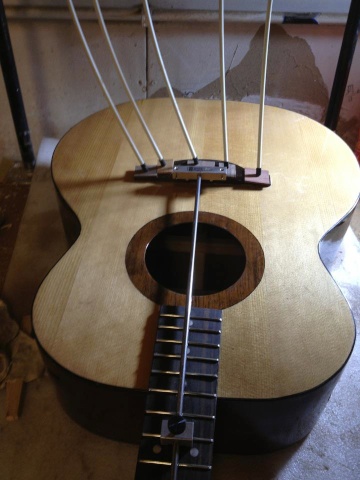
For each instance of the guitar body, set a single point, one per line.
(283, 345)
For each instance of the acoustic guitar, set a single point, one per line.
(109, 315)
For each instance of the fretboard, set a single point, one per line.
(195, 462)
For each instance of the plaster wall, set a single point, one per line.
(59, 88)
(58, 85)
(301, 68)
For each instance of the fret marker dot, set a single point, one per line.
(188, 350)
(191, 323)
(194, 452)
(157, 449)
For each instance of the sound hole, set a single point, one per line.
(220, 258)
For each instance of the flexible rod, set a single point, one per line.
(166, 78)
(123, 80)
(189, 294)
(175, 461)
(102, 84)
(263, 84)
(222, 80)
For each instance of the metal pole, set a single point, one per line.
(14, 93)
(343, 66)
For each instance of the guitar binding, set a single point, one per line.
(214, 171)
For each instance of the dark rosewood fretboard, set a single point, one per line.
(195, 462)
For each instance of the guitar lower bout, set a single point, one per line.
(287, 331)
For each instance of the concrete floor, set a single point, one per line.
(44, 444)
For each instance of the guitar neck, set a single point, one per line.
(155, 458)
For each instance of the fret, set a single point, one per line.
(201, 394)
(195, 403)
(175, 349)
(193, 367)
(201, 337)
(203, 375)
(155, 462)
(196, 439)
(194, 466)
(187, 415)
(174, 392)
(206, 331)
(178, 320)
(190, 357)
(148, 471)
(192, 329)
(188, 374)
(194, 323)
(205, 326)
(192, 384)
(193, 316)
(196, 344)
(176, 331)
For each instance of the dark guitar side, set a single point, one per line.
(242, 426)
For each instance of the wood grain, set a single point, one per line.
(293, 333)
